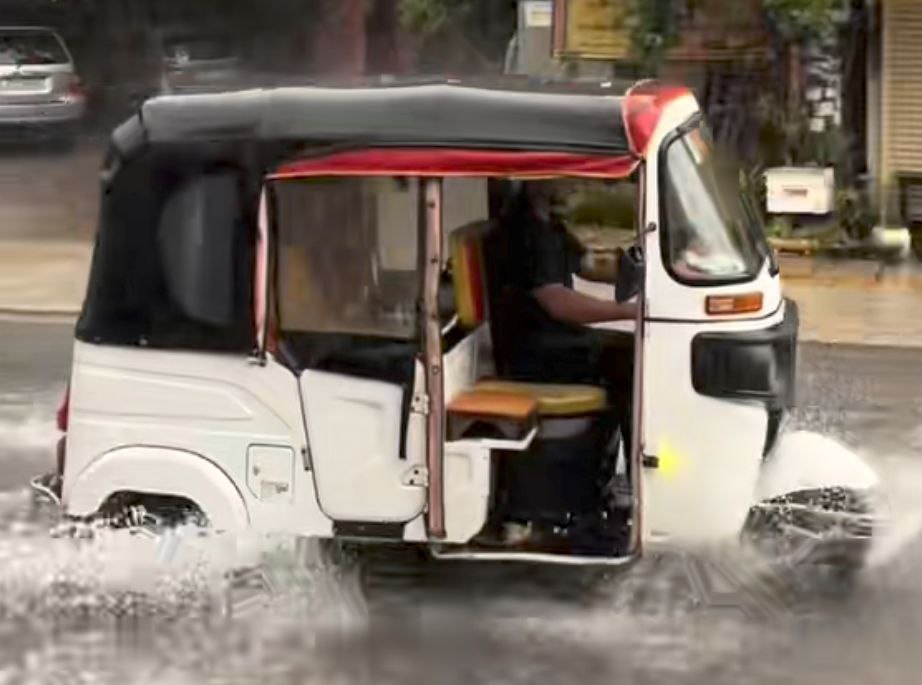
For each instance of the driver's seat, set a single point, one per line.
(471, 294)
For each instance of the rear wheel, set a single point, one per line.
(153, 512)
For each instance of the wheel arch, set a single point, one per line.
(803, 460)
(158, 471)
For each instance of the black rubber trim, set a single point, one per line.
(772, 430)
(368, 530)
(749, 365)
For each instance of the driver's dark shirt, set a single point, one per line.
(541, 252)
(535, 346)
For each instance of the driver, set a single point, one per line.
(547, 336)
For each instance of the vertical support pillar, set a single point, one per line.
(431, 212)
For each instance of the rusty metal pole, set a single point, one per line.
(432, 345)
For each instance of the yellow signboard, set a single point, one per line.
(593, 29)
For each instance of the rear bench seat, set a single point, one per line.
(497, 407)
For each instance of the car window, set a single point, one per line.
(31, 48)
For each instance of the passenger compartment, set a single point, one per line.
(554, 478)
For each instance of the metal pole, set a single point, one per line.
(432, 344)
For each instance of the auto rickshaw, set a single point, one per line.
(289, 328)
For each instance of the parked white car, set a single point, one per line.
(39, 85)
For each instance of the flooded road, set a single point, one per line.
(117, 609)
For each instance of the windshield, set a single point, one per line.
(347, 256)
(25, 48)
(709, 234)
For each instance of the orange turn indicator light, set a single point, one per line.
(745, 303)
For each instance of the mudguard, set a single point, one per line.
(160, 471)
(805, 461)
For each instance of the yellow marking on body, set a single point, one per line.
(670, 460)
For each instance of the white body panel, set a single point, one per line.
(709, 450)
(147, 421)
(156, 470)
(354, 430)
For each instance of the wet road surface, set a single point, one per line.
(49, 192)
(111, 610)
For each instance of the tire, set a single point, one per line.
(152, 512)
(837, 562)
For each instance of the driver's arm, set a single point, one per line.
(568, 306)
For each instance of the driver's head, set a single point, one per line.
(542, 196)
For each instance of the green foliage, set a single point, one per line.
(656, 29)
(459, 36)
(426, 18)
(855, 213)
(802, 19)
(779, 227)
(609, 207)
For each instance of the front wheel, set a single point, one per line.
(828, 528)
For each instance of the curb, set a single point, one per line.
(845, 341)
(43, 314)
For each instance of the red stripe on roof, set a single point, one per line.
(453, 162)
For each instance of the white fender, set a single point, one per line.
(162, 471)
(803, 461)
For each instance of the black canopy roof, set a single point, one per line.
(442, 115)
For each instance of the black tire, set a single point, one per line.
(154, 512)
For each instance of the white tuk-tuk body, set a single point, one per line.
(329, 452)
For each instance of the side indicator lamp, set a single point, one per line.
(745, 303)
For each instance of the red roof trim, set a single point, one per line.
(452, 162)
(643, 109)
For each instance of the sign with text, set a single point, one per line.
(593, 29)
(538, 13)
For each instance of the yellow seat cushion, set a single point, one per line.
(553, 399)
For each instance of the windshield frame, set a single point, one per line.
(696, 121)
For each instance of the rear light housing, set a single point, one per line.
(75, 91)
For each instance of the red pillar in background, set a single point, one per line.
(341, 41)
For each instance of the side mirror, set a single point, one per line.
(630, 275)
